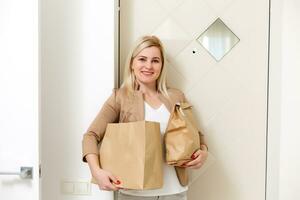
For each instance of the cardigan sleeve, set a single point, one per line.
(109, 113)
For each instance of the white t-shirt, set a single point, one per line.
(171, 182)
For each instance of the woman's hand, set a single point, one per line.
(199, 157)
(105, 180)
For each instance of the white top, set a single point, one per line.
(171, 182)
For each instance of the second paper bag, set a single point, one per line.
(133, 153)
(182, 136)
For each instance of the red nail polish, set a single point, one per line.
(193, 156)
(118, 182)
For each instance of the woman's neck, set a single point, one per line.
(148, 89)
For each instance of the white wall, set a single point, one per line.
(77, 57)
(77, 76)
(290, 132)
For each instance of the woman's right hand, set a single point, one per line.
(105, 180)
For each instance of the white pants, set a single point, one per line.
(179, 196)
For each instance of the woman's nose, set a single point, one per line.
(148, 65)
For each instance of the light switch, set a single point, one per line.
(67, 188)
(82, 188)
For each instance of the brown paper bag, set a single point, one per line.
(133, 153)
(182, 137)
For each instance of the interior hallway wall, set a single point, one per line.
(77, 58)
(76, 79)
(290, 132)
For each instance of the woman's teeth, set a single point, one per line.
(147, 73)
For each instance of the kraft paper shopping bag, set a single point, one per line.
(133, 153)
(182, 136)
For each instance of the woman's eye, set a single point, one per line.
(156, 61)
(142, 59)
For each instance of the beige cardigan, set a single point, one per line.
(119, 108)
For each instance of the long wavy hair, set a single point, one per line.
(129, 80)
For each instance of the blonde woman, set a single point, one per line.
(144, 95)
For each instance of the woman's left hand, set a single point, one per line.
(199, 157)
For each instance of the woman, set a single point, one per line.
(143, 96)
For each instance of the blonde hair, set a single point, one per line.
(129, 79)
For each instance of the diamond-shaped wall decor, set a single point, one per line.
(218, 39)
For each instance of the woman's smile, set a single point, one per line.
(147, 73)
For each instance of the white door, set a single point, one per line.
(19, 146)
(229, 93)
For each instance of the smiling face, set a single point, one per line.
(147, 65)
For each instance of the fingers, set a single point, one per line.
(114, 179)
(196, 154)
(198, 157)
(194, 162)
(107, 185)
(107, 181)
(197, 166)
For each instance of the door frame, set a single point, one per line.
(274, 101)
